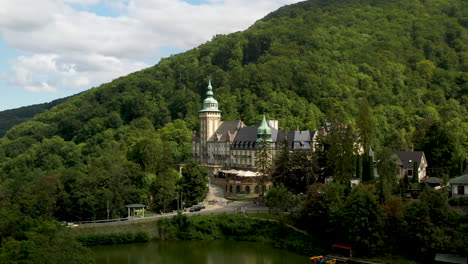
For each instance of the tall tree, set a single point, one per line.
(362, 221)
(365, 126)
(164, 189)
(415, 178)
(280, 200)
(387, 176)
(341, 152)
(263, 163)
(194, 183)
(281, 164)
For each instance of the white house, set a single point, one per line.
(405, 164)
(459, 186)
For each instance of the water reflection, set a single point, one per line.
(196, 252)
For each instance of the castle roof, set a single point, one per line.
(246, 137)
(227, 131)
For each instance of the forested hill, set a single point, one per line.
(13, 117)
(300, 64)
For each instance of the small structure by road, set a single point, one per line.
(132, 207)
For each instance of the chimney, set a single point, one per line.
(297, 128)
(273, 124)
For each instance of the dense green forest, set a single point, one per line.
(13, 117)
(304, 64)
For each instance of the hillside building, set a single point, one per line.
(233, 145)
(405, 161)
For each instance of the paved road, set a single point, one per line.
(221, 206)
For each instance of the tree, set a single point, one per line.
(164, 189)
(42, 242)
(367, 168)
(322, 209)
(194, 183)
(386, 168)
(295, 171)
(279, 200)
(415, 178)
(263, 163)
(281, 165)
(437, 145)
(365, 126)
(362, 221)
(341, 152)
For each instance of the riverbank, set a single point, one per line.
(202, 227)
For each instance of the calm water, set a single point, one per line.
(196, 252)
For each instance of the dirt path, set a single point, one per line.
(216, 193)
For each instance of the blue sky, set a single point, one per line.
(50, 49)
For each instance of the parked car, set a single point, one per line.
(195, 208)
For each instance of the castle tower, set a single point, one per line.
(210, 119)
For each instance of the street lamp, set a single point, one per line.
(181, 201)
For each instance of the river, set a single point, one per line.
(196, 252)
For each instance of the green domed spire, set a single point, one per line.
(210, 89)
(264, 131)
(210, 104)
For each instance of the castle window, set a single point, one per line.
(257, 189)
(230, 188)
(238, 189)
(247, 189)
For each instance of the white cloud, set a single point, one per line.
(74, 50)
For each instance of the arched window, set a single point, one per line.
(226, 187)
(257, 189)
(247, 189)
(230, 188)
(238, 189)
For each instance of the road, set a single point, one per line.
(216, 193)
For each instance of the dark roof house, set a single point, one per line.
(405, 161)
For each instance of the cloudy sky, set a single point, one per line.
(54, 48)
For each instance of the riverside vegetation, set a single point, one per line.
(204, 227)
(394, 71)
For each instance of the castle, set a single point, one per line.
(233, 145)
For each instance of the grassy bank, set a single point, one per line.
(202, 227)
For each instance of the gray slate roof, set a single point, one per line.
(462, 180)
(246, 137)
(223, 129)
(298, 140)
(407, 158)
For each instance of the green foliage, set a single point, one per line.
(362, 221)
(237, 227)
(111, 144)
(25, 240)
(112, 238)
(415, 178)
(13, 117)
(194, 183)
(340, 151)
(386, 168)
(296, 170)
(415, 229)
(263, 160)
(279, 200)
